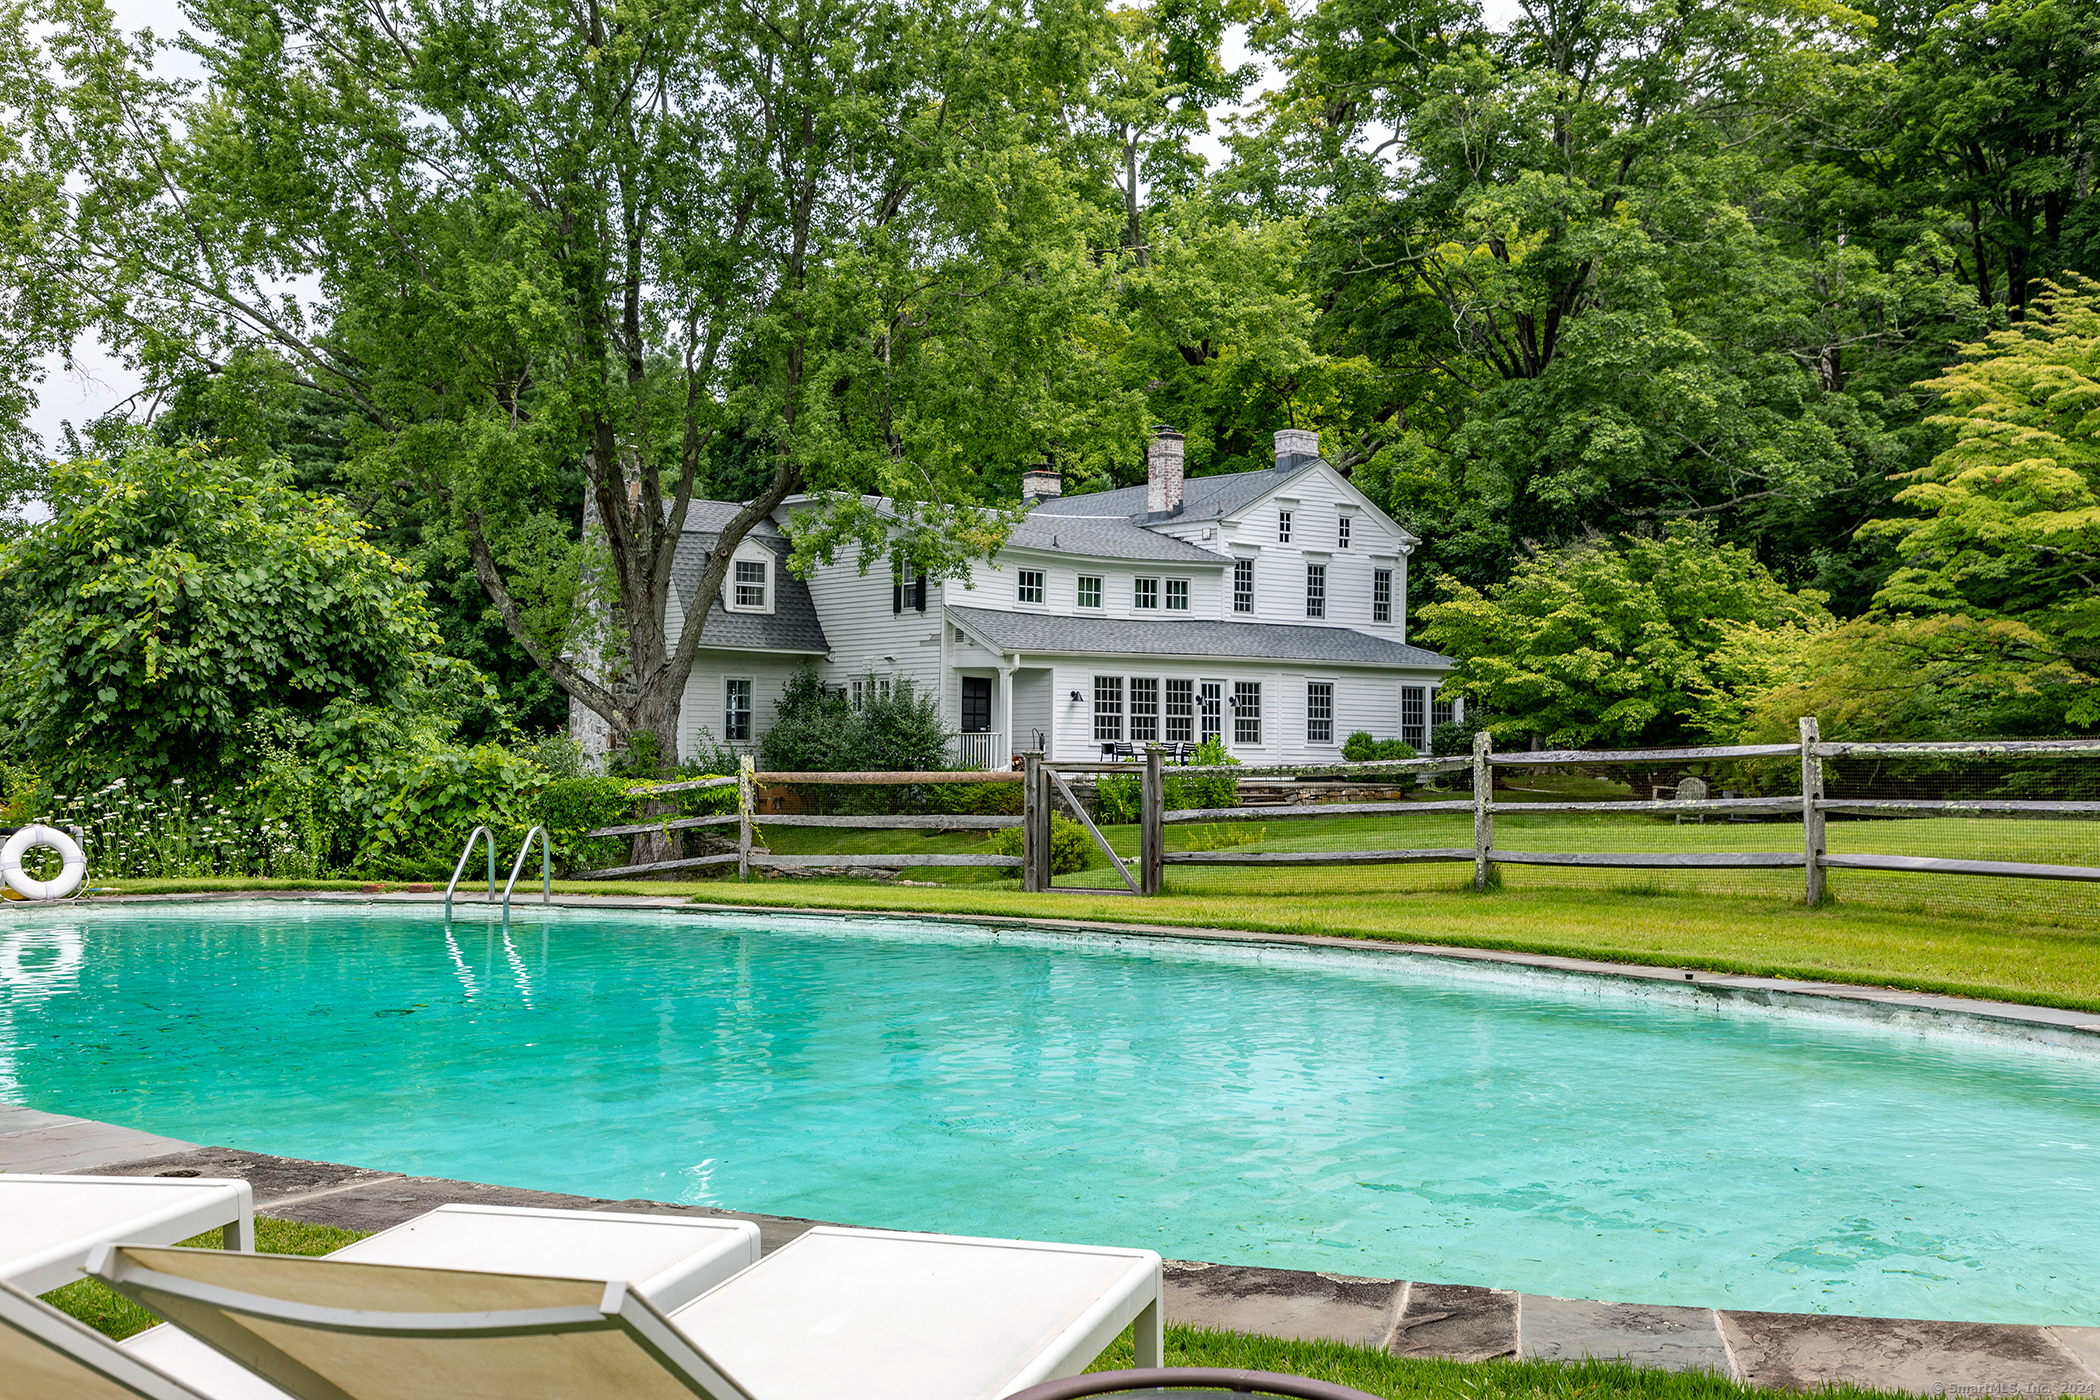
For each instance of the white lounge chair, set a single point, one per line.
(48, 1224)
(327, 1329)
(862, 1313)
(881, 1315)
(672, 1258)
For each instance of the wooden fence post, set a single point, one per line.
(1152, 824)
(744, 799)
(1483, 809)
(1812, 815)
(1031, 839)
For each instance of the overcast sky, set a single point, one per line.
(97, 382)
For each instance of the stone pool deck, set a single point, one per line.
(1785, 1351)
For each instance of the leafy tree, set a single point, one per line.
(838, 244)
(1947, 677)
(2008, 523)
(178, 600)
(1603, 644)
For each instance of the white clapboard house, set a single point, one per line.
(1266, 608)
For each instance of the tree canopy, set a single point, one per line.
(176, 600)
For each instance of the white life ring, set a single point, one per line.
(71, 872)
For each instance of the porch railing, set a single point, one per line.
(982, 751)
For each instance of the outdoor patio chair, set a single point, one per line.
(838, 1312)
(325, 1329)
(673, 1258)
(1188, 1383)
(49, 1224)
(884, 1315)
(44, 1353)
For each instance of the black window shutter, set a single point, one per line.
(919, 593)
(896, 597)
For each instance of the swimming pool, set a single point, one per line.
(1357, 1114)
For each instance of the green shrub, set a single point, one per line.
(568, 807)
(427, 804)
(1360, 747)
(1117, 798)
(1204, 789)
(972, 799)
(1071, 846)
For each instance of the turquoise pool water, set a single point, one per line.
(1370, 1115)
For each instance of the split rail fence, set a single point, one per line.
(1047, 787)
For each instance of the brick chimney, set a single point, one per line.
(1041, 483)
(1163, 474)
(1296, 446)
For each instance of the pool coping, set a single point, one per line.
(1921, 1011)
(1406, 1318)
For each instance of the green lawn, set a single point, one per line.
(1412, 1378)
(2016, 940)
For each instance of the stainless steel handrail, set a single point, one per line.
(472, 836)
(546, 868)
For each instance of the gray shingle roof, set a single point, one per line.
(1202, 497)
(791, 626)
(1115, 636)
(1107, 539)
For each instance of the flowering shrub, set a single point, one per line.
(128, 834)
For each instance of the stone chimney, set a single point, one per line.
(1296, 446)
(1041, 483)
(1163, 474)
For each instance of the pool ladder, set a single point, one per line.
(546, 868)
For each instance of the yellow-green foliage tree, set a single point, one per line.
(1604, 644)
(2007, 531)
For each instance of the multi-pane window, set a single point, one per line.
(1028, 587)
(736, 708)
(1414, 709)
(1381, 595)
(1341, 532)
(750, 583)
(882, 688)
(1212, 709)
(1181, 712)
(1316, 590)
(860, 694)
(1283, 527)
(1177, 595)
(1108, 709)
(1246, 712)
(908, 590)
(1243, 585)
(1319, 712)
(1440, 711)
(1089, 591)
(1145, 594)
(1144, 709)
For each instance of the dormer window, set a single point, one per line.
(1177, 595)
(1145, 594)
(1283, 527)
(751, 585)
(1089, 590)
(1028, 586)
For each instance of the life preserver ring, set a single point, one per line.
(71, 872)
